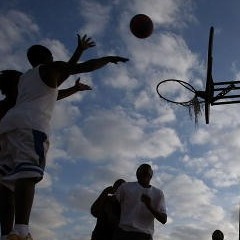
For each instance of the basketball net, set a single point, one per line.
(194, 109)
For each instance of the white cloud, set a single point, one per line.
(95, 15)
(57, 48)
(47, 216)
(65, 114)
(202, 136)
(120, 78)
(115, 135)
(85, 193)
(14, 27)
(165, 12)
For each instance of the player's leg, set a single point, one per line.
(24, 195)
(6, 189)
(6, 210)
(30, 148)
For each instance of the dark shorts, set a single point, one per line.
(128, 235)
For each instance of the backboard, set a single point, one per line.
(209, 89)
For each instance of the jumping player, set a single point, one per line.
(24, 129)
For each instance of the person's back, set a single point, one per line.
(106, 209)
(107, 220)
(34, 104)
(8, 87)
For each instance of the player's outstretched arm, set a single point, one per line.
(94, 64)
(54, 74)
(83, 44)
(63, 93)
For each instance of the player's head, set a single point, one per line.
(217, 235)
(117, 184)
(9, 81)
(38, 54)
(144, 174)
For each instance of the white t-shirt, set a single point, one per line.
(34, 105)
(135, 216)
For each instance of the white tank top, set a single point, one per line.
(34, 105)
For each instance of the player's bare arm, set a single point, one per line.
(78, 86)
(55, 73)
(83, 44)
(95, 64)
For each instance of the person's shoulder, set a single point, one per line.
(54, 65)
(128, 185)
(157, 190)
(53, 69)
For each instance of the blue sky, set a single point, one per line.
(103, 135)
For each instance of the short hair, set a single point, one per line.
(142, 167)
(8, 78)
(38, 54)
(118, 182)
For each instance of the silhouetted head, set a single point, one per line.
(217, 235)
(38, 54)
(117, 184)
(144, 174)
(9, 82)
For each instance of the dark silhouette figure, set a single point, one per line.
(107, 211)
(140, 203)
(9, 80)
(217, 235)
(24, 129)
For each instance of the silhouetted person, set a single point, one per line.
(217, 235)
(9, 80)
(107, 211)
(140, 203)
(24, 129)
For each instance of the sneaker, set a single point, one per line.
(14, 236)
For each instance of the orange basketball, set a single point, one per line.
(141, 26)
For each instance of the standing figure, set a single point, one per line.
(107, 211)
(140, 203)
(9, 80)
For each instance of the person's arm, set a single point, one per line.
(94, 64)
(160, 216)
(54, 74)
(83, 44)
(97, 206)
(63, 93)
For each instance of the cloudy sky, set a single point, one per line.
(104, 134)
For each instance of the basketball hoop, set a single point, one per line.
(208, 96)
(191, 100)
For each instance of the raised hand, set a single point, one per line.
(80, 86)
(85, 42)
